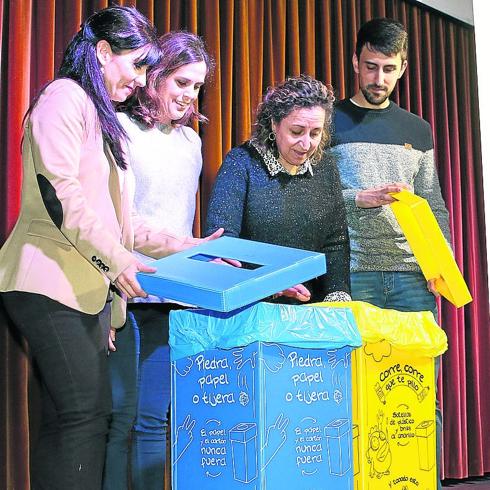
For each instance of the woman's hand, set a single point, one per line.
(192, 242)
(229, 262)
(298, 292)
(219, 260)
(111, 340)
(126, 281)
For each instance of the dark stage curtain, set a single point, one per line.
(255, 44)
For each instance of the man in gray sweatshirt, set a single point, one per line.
(381, 148)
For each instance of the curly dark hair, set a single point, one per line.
(279, 101)
(178, 48)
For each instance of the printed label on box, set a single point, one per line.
(263, 416)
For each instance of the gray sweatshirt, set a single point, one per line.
(376, 147)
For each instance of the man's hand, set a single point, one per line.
(431, 286)
(379, 196)
(126, 281)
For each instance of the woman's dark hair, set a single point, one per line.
(387, 36)
(124, 28)
(178, 48)
(279, 101)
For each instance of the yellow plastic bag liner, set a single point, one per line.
(429, 246)
(414, 331)
(393, 398)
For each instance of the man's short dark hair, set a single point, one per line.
(387, 36)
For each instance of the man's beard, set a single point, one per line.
(374, 99)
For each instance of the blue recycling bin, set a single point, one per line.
(262, 398)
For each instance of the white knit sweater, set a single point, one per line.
(166, 163)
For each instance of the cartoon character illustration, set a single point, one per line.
(379, 452)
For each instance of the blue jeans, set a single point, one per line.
(140, 376)
(70, 349)
(402, 291)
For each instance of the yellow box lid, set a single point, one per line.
(429, 246)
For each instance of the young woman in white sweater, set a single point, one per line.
(165, 156)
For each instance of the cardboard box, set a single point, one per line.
(262, 398)
(395, 395)
(393, 390)
(191, 277)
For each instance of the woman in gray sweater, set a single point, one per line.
(280, 188)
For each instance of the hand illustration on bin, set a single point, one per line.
(335, 358)
(183, 437)
(240, 360)
(243, 397)
(184, 367)
(273, 358)
(275, 439)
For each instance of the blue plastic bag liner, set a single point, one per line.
(194, 331)
(261, 398)
(405, 330)
(193, 278)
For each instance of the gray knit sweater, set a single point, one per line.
(301, 211)
(375, 147)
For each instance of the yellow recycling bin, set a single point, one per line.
(393, 398)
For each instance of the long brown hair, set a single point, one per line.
(179, 48)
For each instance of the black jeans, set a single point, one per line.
(70, 349)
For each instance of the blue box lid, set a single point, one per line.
(191, 277)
